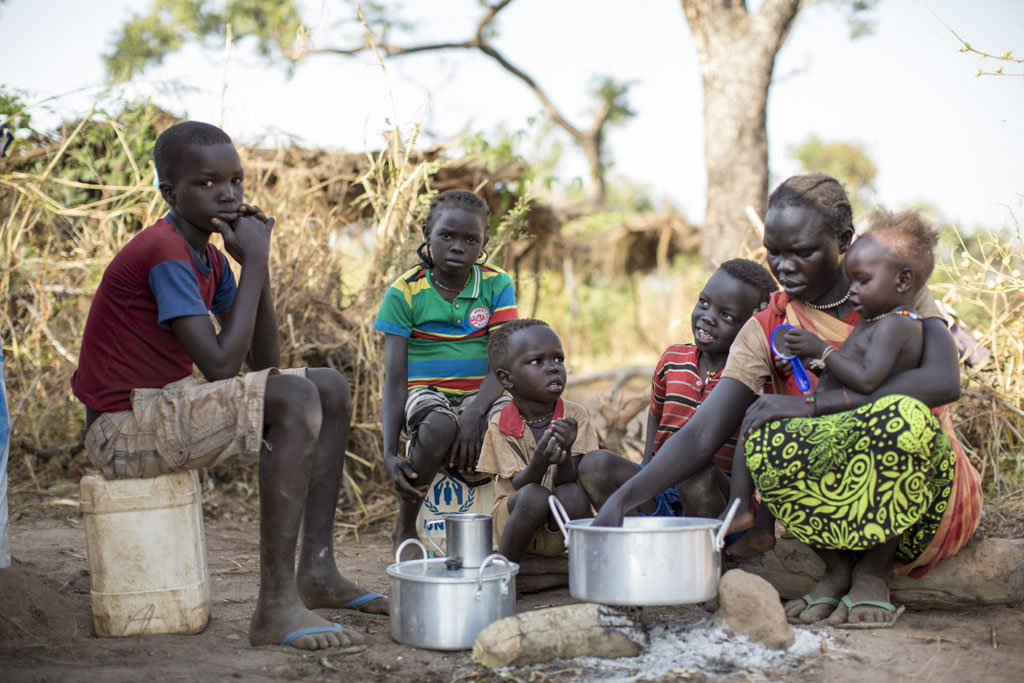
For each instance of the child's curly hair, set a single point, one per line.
(450, 199)
(821, 192)
(754, 274)
(498, 340)
(910, 237)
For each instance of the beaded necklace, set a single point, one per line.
(540, 421)
(829, 307)
(449, 289)
(902, 311)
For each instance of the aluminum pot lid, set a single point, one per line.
(435, 571)
(647, 524)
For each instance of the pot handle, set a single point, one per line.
(490, 559)
(720, 537)
(431, 525)
(414, 541)
(561, 517)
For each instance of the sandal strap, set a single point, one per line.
(888, 606)
(823, 600)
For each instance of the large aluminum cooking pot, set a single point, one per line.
(437, 604)
(646, 561)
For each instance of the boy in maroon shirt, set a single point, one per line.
(146, 415)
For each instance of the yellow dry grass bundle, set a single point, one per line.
(346, 225)
(985, 296)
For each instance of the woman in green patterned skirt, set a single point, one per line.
(822, 464)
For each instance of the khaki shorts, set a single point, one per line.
(185, 425)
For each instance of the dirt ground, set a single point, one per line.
(46, 630)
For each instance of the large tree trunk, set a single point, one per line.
(737, 54)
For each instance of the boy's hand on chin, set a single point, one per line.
(247, 237)
(253, 210)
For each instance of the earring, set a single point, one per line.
(483, 257)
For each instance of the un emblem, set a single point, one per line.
(449, 495)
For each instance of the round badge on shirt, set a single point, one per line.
(479, 317)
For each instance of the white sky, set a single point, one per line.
(936, 132)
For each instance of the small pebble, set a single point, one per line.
(233, 636)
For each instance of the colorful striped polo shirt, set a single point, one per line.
(447, 341)
(677, 390)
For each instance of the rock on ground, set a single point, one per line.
(749, 606)
(987, 572)
(583, 630)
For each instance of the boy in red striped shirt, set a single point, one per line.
(683, 378)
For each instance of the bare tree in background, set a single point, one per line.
(146, 39)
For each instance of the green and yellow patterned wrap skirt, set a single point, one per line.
(855, 479)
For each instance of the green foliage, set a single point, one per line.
(847, 161)
(537, 147)
(857, 15)
(147, 38)
(112, 151)
(613, 94)
(13, 112)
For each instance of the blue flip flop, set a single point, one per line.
(292, 637)
(361, 600)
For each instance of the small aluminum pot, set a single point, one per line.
(439, 608)
(646, 561)
(468, 537)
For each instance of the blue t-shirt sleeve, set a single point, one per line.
(224, 295)
(176, 290)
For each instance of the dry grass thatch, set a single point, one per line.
(346, 225)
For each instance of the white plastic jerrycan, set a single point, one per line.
(147, 555)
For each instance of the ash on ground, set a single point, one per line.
(696, 650)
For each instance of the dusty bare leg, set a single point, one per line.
(601, 472)
(528, 510)
(741, 487)
(760, 538)
(433, 441)
(704, 494)
(870, 582)
(320, 584)
(834, 584)
(292, 417)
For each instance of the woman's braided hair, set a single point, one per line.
(821, 192)
(450, 199)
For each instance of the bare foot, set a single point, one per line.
(754, 542)
(272, 626)
(322, 586)
(867, 585)
(834, 584)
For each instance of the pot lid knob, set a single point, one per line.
(453, 564)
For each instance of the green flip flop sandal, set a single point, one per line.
(888, 606)
(823, 600)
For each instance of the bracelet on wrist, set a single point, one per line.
(819, 362)
(810, 400)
